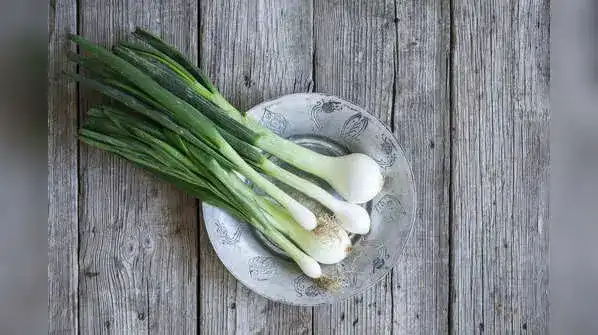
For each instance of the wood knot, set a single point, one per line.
(130, 250)
(90, 274)
(148, 243)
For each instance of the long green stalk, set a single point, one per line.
(356, 177)
(290, 152)
(141, 143)
(176, 80)
(178, 85)
(190, 118)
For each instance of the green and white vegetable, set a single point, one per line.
(175, 159)
(328, 243)
(167, 117)
(347, 172)
(353, 218)
(157, 97)
(356, 177)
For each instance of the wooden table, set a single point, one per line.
(464, 86)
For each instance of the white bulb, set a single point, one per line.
(353, 218)
(356, 177)
(328, 244)
(309, 266)
(302, 215)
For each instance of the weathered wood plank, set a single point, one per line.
(500, 156)
(354, 48)
(253, 50)
(218, 290)
(62, 174)
(421, 123)
(138, 252)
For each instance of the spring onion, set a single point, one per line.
(353, 218)
(197, 122)
(146, 145)
(356, 177)
(167, 117)
(327, 244)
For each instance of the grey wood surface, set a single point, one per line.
(422, 125)
(356, 41)
(63, 264)
(462, 84)
(138, 236)
(253, 51)
(500, 158)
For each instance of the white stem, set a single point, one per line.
(300, 213)
(353, 218)
(309, 266)
(327, 244)
(356, 177)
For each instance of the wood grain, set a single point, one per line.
(464, 86)
(500, 156)
(421, 123)
(253, 51)
(354, 47)
(138, 252)
(62, 175)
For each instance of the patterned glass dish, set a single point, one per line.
(332, 126)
